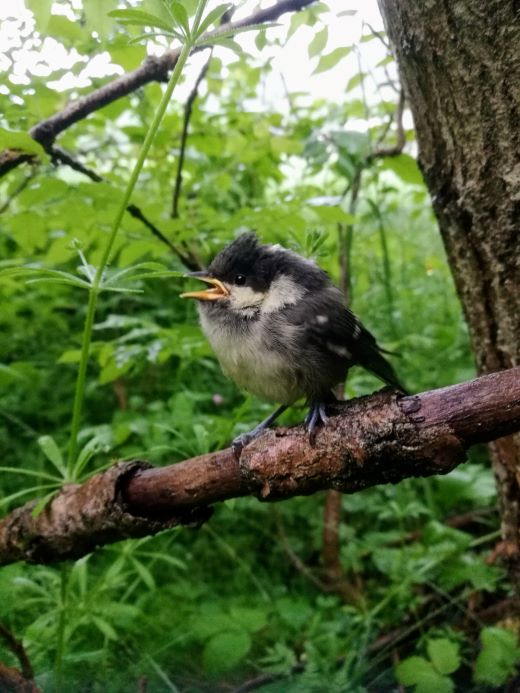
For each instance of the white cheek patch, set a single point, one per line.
(242, 297)
(283, 292)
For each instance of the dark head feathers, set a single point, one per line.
(261, 264)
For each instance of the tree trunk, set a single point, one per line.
(460, 65)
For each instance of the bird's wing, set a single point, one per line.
(332, 327)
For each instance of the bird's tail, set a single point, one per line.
(373, 359)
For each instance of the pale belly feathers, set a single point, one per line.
(250, 363)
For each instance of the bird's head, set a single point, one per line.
(247, 276)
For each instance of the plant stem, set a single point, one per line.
(60, 635)
(95, 288)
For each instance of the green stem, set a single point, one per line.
(95, 289)
(60, 635)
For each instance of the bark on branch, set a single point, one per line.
(382, 438)
(153, 69)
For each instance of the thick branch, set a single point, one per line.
(153, 69)
(379, 439)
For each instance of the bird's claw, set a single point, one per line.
(317, 414)
(240, 442)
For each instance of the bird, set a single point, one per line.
(281, 330)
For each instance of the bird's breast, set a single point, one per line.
(251, 353)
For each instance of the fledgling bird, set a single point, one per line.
(280, 329)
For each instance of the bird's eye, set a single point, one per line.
(240, 280)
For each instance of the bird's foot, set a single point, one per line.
(317, 414)
(240, 442)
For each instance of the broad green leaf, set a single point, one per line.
(16, 139)
(412, 669)
(331, 59)
(444, 655)
(97, 18)
(498, 658)
(405, 167)
(52, 452)
(225, 650)
(251, 619)
(41, 10)
(66, 32)
(319, 42)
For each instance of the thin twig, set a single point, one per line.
(19, 652)
(188, 108)
(19, 189)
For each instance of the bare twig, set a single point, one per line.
(19, 189)
(18, 650)
(188, 108)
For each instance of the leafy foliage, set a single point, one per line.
(191, 610)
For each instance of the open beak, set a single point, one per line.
(217, 291)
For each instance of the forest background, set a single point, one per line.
(401, 585)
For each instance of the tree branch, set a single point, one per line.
(379, 439)
(153, 69)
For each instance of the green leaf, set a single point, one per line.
(17, 139)
(261, 40)
(70, 356)
(145, 575)
(41, 10)
(434, 682)
(331, 59)
(444, 655)
(251, 619)
(180, 17)
(355, 81)
(140, 18)
(42, 503)
(213, 17)
(225, 650)
(405, 167)
(498, 658)
(105, 627)
(419, 672)
(224, 42)
(67, 32)
(412, 669)
(319, 42)
(52, 452)
(298, 19)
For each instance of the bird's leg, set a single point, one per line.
(317, 414)
(245, 438)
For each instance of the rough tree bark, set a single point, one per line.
(460, 65)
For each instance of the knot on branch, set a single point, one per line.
(79, 518)
(383, 434)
